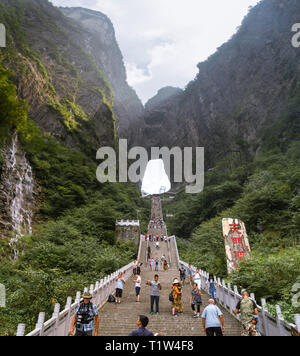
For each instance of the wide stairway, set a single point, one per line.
(120, 319)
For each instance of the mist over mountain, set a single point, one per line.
(70, 70)
(241, 90)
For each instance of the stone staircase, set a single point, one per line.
(120, 319)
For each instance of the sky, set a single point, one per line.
(162, 41)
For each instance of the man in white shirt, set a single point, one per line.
(138, 282)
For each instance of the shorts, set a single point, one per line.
(137, 291)
(249, 329)
(119, 293)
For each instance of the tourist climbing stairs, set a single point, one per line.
(121, 319)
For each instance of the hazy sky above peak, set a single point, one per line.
(162, 41)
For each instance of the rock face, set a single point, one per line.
(101, 43)
(240, 90)
(17, 192)
(71, 72)
(163, 95)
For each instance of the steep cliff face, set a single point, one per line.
(163, 95)
(243, 88)
(68, 67)
(99, 40)
(70, 70)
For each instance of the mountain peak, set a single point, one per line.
(162, 95)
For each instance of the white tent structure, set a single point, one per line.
(156, 180)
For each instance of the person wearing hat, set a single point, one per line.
(86, 316)
(177, 306)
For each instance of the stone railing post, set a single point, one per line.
(236, 292)
(279, 320)
(224, 293)
(264, 317)
(219, 290)
(56, 315)
(40, 323)
(230, 299)
(68, 318)
(96, 294)
(77, 298)
(21, 330)
(297, 322)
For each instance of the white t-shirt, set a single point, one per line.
(138, 282)
(197, 279)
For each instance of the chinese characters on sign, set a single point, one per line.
(236, 243)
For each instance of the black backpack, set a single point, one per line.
(171, 298)
(111, 299)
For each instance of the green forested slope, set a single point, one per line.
(263, 191)
(73, 244)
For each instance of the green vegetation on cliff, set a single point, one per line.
(63, 74)
(73, 244)
(13, 112)
(264, 193)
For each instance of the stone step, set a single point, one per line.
(120, 319)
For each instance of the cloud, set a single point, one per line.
(163, 40)
(137, 75)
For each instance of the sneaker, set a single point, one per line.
(195, 316)
(151, 313)
(157, 313)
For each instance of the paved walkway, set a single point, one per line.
(120, 319)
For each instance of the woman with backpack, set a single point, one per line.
(138, 268)
(196, 300)
(177, 306)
